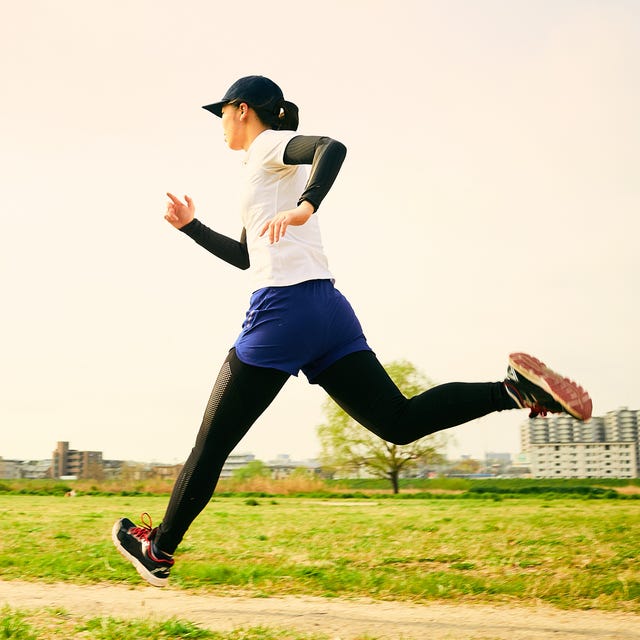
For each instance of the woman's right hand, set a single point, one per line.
(178, 213)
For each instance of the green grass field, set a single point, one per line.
(569, 553)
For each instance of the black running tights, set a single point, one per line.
(357, 382)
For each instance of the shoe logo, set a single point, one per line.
(512, 375)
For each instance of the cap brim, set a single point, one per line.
(215, 108)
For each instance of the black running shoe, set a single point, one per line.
(532, 385)
(136, 545)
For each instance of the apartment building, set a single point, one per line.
(560, 446)
(69, 462)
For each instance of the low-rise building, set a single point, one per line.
(35, 469)
(9, 469)
(235, 461)
(283, 466)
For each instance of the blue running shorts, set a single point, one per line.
(306, 326)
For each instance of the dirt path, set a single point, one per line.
(337, 618)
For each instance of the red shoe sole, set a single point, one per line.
(573, 398)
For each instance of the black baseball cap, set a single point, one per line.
(257, 91)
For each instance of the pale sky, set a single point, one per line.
(488, 204)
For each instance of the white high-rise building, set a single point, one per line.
(560, 446)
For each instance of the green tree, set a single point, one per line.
(347, 446)
(253, 469)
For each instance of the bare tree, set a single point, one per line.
(347, 446)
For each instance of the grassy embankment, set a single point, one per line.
(302, 485)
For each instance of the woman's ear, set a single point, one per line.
(243, 109)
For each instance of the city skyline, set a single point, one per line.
(546, 424)
(553, 447)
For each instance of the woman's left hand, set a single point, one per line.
(277, 226)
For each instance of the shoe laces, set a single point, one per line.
(525, 400)
(144, 531)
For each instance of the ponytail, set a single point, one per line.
(287, 118)
(284, 116)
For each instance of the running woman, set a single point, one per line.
(298, 321)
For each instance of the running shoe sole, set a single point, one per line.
(139, 567)
(571, 396)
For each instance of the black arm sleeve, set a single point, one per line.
(232, 251)
(325, 156)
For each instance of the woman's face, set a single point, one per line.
(232, 126)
